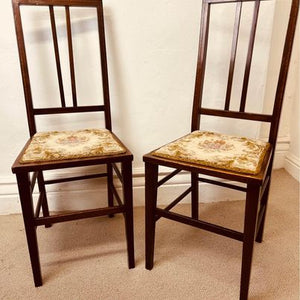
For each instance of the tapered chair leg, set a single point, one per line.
(195, 196)
(151, 177)
(264, 202)
(110, 196)
(42, 189)
(30, 228)
(252, 200)
(127, 192)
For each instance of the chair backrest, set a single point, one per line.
(32, 112)
(198, 108)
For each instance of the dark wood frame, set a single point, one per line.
(256, 186)
(23, 172)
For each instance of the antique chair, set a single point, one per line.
(69, 148)
(221, 156)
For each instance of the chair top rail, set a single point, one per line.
(236, 115)
(92, 3)
(65, 110)
(230, 1)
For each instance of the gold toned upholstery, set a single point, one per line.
(60, 145)
(217, 150)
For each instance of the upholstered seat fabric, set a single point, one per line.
(217, 150)
(61, 145)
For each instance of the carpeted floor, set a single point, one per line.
(87, 259)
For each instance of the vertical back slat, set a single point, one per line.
(71, 56)
(203, 41)
(103, 58)
(233, 53)
(57, 58)
(24, 69)
(249, 56)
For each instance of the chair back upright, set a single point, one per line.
(31, 110)
(226, 112)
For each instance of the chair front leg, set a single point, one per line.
(127, 193)
(151, 178)
(30, 228)
(252, 200)
(195, 195)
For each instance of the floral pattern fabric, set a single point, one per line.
(60, 145)
(221, 151)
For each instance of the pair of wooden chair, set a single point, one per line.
(221, 156)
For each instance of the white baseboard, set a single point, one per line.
(292, 165)
(282, 148)
(88, 194)
(92, 193)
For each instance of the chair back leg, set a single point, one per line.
(110, 196)
(264, 202)
(263, 206)
(42, 189)
(195, 195)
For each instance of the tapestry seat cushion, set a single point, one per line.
(61, 145)
(217, 150)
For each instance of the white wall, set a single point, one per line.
(292, 161)
(152, 52)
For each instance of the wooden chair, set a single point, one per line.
(195, 152)
(52, 150)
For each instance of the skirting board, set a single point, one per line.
(88, 194)
(92, 193)
(292, 165)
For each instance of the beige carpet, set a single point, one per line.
(87, 259)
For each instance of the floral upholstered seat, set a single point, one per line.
(221, 151)
(60, 145)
